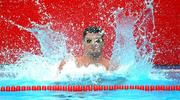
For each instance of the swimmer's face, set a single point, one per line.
(93, 44)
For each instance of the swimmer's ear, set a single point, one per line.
(82, 46)
(83, 42)
(102, 42)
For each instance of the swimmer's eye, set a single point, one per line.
(88, 41)
(98, 40)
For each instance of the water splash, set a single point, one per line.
(53, 44)
(135, 58)
(40, 67)
(135, 62)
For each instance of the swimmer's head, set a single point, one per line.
(93, 41)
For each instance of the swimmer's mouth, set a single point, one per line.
(95, 54)
(95, 49)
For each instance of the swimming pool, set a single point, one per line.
(37, 72)
(113, 88)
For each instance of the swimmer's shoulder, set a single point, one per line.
(109, 65)
(79, 60)
(105, 62)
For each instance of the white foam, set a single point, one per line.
(71, 71)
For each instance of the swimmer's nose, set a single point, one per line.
(95, 46)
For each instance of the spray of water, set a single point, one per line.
(134, 62)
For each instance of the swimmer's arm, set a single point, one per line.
(63, 62)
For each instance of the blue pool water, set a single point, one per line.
(100, 95)
(135, 65)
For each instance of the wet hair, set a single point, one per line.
(94, 30)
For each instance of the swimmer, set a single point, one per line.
(92, 43)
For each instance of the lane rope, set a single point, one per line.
(86, 88)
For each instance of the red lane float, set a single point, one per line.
(85, 88)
